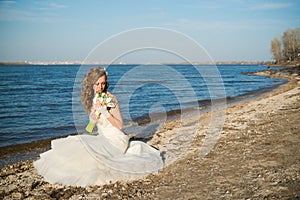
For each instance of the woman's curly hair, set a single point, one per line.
(87, 93)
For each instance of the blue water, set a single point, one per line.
(41, 101)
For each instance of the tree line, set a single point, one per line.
(287, 47)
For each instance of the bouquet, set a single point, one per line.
(105, 100)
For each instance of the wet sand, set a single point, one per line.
(256, 156)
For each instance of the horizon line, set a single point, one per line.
(125, 63)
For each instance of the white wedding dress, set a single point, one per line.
(108, 157)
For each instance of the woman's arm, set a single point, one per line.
(114, 115)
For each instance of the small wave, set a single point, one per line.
(11, 117)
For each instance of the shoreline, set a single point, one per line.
(257, 157)
(35, 130)
(13, 154)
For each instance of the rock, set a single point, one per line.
(17, 195)
(34, 184)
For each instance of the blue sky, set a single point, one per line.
(233, 30)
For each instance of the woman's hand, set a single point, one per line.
(93, 116)
(98, 103)
(103, 110)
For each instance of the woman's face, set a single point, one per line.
(100, 84)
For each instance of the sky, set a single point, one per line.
(232, 30)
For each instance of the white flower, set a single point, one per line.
(106, 100)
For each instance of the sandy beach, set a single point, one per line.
(256, 156)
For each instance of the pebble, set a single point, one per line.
(17, 195)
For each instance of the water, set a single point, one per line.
(38, 101)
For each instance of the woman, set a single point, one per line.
(107, 157)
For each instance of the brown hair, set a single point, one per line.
(88, 82)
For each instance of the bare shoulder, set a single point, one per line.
(112, 96)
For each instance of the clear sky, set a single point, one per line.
(232, 30)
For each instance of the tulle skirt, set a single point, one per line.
(84, 160)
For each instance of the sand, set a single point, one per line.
(255, 155)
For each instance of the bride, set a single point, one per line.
(107, 157)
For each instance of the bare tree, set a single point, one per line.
(297, 52)
(291, 44)
(276, 50)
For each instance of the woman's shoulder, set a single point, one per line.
(111, 95)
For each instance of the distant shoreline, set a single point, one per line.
(155, 63)
(285, 64)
